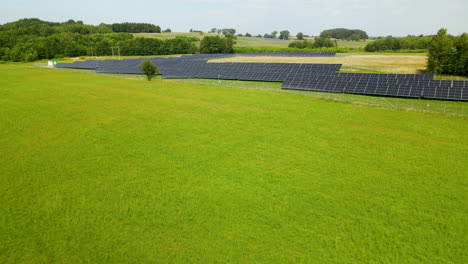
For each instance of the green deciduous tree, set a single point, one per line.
(461, 55)
(441, 53)
(448, 54)
(300, 36)
(216, 44)
(284, 34)
(344, 33)
(149, 69)
(318, 43)
(136, 28)
(226, 31)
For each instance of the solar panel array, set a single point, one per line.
(89, 64)
(401, 85)
(295, 76)
(274, 72)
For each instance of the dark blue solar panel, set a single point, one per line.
(310, 77)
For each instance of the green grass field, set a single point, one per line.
(102, 169)
(253, 42)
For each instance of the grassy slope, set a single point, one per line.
(101, 169)
(252, 42)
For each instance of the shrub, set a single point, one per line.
(149, 69)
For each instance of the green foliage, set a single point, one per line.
(167, 30)
(196, 30)
(248, 35)
(461, 45)
(441, 53)
(318, 43)
(343, 33)
(284, 34)
(216, 44)
(324, 43)
(300, 36)
(136, 28)
(149, 69)
(272, 35)
(301, 44)
(229, 35)
(226, 31)
(31, 39)
(390, 43)
(448, 54)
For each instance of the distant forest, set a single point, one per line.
(391, 44)
(134, 27)
(345, 34)
(33, 39)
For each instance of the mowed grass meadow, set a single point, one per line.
(103, 169)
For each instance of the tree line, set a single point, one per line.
(317, 43)
(391, 43)
(223, 31)
(134, 27)
(282, 35)
(32, 39)
(344, 33)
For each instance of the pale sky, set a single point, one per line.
(378, 18)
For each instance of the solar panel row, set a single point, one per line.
(250, 71)
(93, 64)
(401, 85)
(296, 76)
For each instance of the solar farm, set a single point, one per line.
(294, 76)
